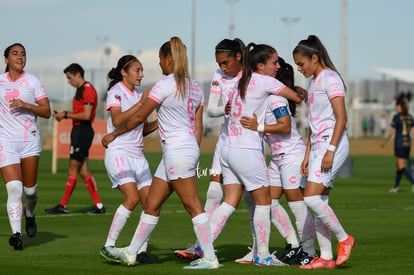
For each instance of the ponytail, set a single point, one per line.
(178, 52)
(313, 46)
(115, 73)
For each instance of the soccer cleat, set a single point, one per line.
(203, 263)
(143, 258)
(344, 250)
(190, 253)
(394, 190)
(291, 253)
(110, 254)
(58, 209)
(247, 259)
(96, 210)
(319, 263)
(31, 226)
(303, 259)
(125, 258)
(272, 260)
(16, 241)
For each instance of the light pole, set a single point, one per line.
(231, 25)
(289, 21)
(193, 23)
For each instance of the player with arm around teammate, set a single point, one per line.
(286, 145)
(180, 105)
(125, 162)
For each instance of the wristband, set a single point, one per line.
(331, 148)
(65, 116)
(260, 128)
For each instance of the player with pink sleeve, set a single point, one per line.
(242, 158)
(327, 147)
(22, 100)
(180, 106)
(125, 162)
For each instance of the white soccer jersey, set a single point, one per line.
(223, 85)
(288, 144)
(321, 90)
(260, 86)
(176, 114)
(130, 142)
(19, 124)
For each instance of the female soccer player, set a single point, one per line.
(22, 99)
(286, 146)
(242, 157)
(228, 55)
(403, 127)
(180, 107)
(327, 147)
(125, 162)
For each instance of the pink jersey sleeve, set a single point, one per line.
(334, 85)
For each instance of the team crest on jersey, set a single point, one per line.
(24, 83)
(118, 97)
(215, 83)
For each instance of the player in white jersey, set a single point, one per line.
(241, 157)
(125, 162)
(180, 106)
(22, 100)
(228, 55)
(287, 150)
(327, 147)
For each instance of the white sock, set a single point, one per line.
(30, 198)
(214, 197)
(262, 229)
(14, 204)
(146, 225)
(118, 222)
(251, 206)
(281, 221)
(201, 227)
(304, 225)
(323, 235)
(327, 215)
(219, 219)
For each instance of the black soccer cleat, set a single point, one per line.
(303, 259)
(290, 253)
(96, 210)
(31, 226)
(16, 241)
(58, 209)
(143, 258)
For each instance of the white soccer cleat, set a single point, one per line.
(125, 257)
(203, 263)
(246, 259)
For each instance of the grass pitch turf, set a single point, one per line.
(381, 223)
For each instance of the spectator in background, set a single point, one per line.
(365, 126)
(371, 125)
(82, 116)
(383, 125)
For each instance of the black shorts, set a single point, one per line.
(80, 141)
(402, 152)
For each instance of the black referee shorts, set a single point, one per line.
(80, 141)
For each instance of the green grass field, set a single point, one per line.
(381, 223)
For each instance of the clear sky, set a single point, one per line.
(58, 32)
